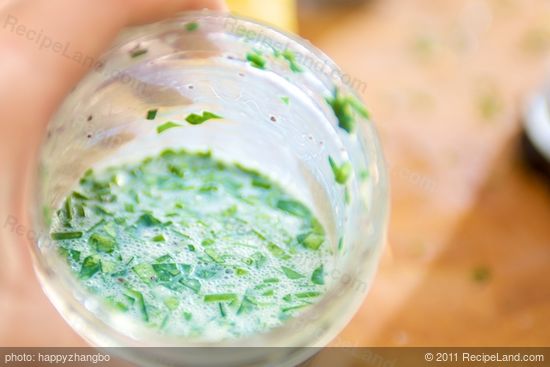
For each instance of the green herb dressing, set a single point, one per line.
(192, 246)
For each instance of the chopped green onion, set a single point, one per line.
(102, 243)
(256, 60)
(293, 207)
(311, 240)
(291, 274)
(138, 52)
(277, 251)
(165, 272)
(318, 276)
(341, 172)
(248, 304)
(145, 272)
(159, 238)
(191, 26)
(152, 114)
(195, 119)
(221, 297)
(66, 235)
(193, 284)
(140, 302)
(90, 266)
(308, 294)
(167, 125)
(148, 220)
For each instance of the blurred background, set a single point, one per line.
(468, 257)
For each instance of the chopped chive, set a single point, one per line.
(293, 308)
(102, 243)
(340, 244)
(191, 26)
(90, 266)
(248, 304)
(163, 259)
(341, 172)
(289, 56)
(66, 235)
(140, 302)
(277, 251)
(137, 52)
(221, 297)
(272, 280)
(347, 196)
(175, 170)
(166, 126)
(311, 240)
(223, 311)
(293, 207)
(213, 255)
(80, 196)
(285, 100)
(159, 238)
(359, 107)
(145, 272)
(80, 210)
(195, 119)
(291, 274)
(261, 182)
(268, 293)
(187, 315)
(68, 209)
(148, 220)
(191, 283)
(307, 294)
(172, 303)
(108, 267)
(152, 114)
(318, 276)
(256, 60)
(166, 272)
(481, 274)
(241, 272)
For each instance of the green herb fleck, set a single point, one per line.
(481, 274)
(90, 266)
(159, 238)
(172, 303)
(145, 272)
(165, 272)
(102, 243)
(136, 52)
(311, 240)
(291, 274)
(341, 172)
(195, 119)
(66, 235)
(152, 114)
(256, 59)
(191, 26)
(221, 297)
(166, 126)
(318, 276)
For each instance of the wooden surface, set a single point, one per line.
(446, 81)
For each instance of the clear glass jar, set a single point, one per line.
(201, 59)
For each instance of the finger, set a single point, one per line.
(141, 11)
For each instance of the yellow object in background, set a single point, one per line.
(280, 13)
